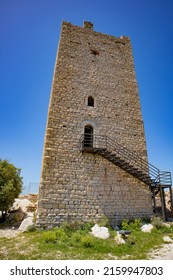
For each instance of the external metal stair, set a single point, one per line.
(132, 163)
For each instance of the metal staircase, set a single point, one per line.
(132, 163)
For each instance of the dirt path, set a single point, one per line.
(164, 253)
(8, 233)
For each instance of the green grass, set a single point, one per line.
(75, 242)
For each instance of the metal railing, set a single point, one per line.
(104, 144)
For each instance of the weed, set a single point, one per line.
(87, 241)
(60, 234)
(131, 225)
(104, 221)
(113, 233)
(70, 227)
(49, 236)
(70, 244)
(86, 227)
(34, 217)
(157, 222)
(76, 237)
(31, 228)
(131, 240)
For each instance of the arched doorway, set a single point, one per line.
(88, 136)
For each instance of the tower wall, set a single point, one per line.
(84, 186)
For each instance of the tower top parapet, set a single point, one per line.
(88, 25)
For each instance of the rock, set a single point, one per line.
(167, 239)
(166, 224)
(101, 232)
(147, 228)
(31, 208)
(116, 228)
(33, 197)
(50, 227)
(21, 203)
(124, 232)
(119, 240)
(16, 217)
(25, 224)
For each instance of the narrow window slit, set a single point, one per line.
(90, 101)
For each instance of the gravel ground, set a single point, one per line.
(164, 253)
(8, 233)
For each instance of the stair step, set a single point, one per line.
(101, 150)
(126, 165)
(129, 168)
(114, 157)
(132, 170)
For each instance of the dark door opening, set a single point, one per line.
(88, 137)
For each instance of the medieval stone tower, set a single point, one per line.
(94, 111)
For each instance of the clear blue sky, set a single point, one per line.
(29, 34)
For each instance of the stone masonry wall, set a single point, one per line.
(84, 186)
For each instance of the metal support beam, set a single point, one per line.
(154, 201)
(162, 196)
(171, 199)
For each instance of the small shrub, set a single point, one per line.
(87, 241)
(49, 236)
(34, 219)
(60, 234)
(104, 222)
(157, 222)
(136, 224)
(86, 227)
(131, 240)
(75, 226)
(31, 228)
(76, 237)
(71, 226)
(131, 225)
(125, 224)
(113, 233)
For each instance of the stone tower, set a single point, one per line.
(95, 92)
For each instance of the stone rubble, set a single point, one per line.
(25, 224)
(20, 215)
(147, 228)
(101, 232)
(167, 239)
(119, 240)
